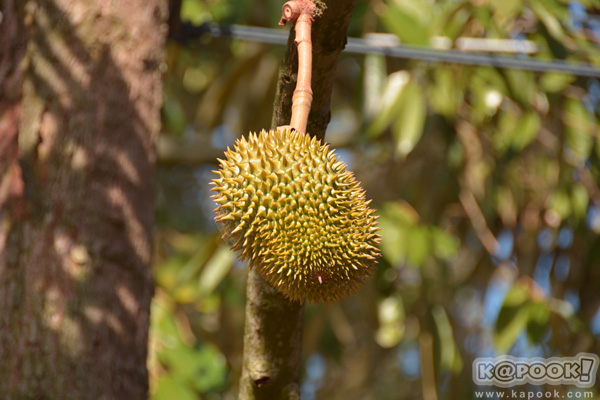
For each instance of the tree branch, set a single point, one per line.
(273, 331)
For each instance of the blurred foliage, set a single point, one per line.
(486, 182)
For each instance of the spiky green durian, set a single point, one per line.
(288, 204)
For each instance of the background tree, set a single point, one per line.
(80, 97)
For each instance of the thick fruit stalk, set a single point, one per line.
(301, 12)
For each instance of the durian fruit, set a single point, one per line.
(289, 206)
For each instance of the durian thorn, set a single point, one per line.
(238, 228)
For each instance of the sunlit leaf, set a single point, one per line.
(555, 82)
(526, 130)
(195, 263)
(390, 103)
(169, 388)
(418, 244)
(391, 310)
(511, 328)
(163, 322)
(173, 116)
(578, 127)
(408, 127)
(406, 27)
(215, 270)
(516, 297)
(448, 351)
(579, 201)
(391, 315)
(375, 78)
(443, 92)
(202, 368)
(548, 19)
(522, 85)
(445, 246)
(507, 8)
(514, 317)
(396, 220)
(194, 11)
(538, 322)
(393, 242)
(506, 130)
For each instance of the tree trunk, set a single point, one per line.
(272, 363)
(80, 96)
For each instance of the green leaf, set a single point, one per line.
(163, 322)
(391, 316)
(169, 388)
(393, 239)
(513, 322)
(578, 129)
(555, 82)
(513, 318)
(448, 351)
(408, 128)
(215, 270)
(397, 219)
(418, 244)
(194, 11)
(391, 310)
(522, 85)
(561, 203)
(550, 21)
(526, 130)
(445, 246)
(401, 212)
(579, 201)
(442, 94)
(507, 8)
(538, 322)
(391, 103)
(202, 368)
(205, 246)
(174, 116)
(375, 78)
(507, 126)
(407, 28)
(516, 297)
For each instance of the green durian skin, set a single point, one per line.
(293, 211)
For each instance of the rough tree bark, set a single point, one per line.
(273, 331)
(80, 96)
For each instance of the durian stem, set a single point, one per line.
(301, 12)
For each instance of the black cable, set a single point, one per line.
(362, 46)
(460, 57)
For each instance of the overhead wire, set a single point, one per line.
(363, 46)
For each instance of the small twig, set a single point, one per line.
(428, 383)
(301, 12)
(485, 235)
